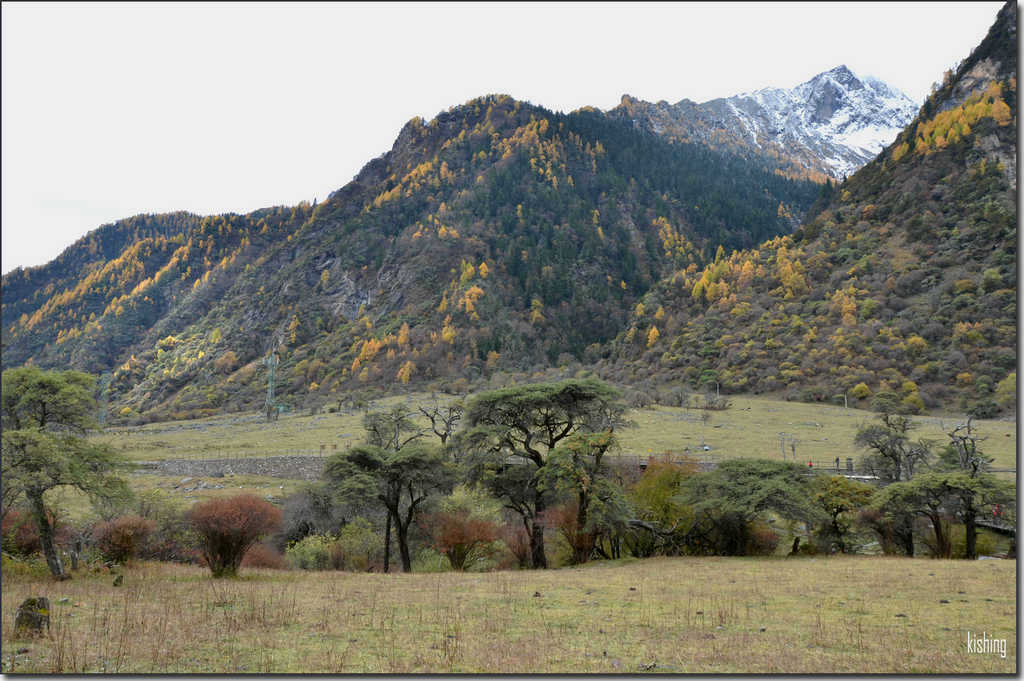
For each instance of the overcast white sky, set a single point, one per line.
(109, 110)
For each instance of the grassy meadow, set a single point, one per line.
(750, 428)
(676, 615)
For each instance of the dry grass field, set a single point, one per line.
(864, 614)
(676, 615)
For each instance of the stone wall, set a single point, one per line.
(288, 467)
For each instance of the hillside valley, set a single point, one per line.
(655, 245)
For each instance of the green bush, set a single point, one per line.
(986, 544)
(358, 547)
(861, 391)
(310, 553)
(32, 567)
(986, 409)
(430, 560)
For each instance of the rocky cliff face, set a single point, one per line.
(829, 126)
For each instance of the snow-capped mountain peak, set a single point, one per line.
(838, 117)
(832, 124)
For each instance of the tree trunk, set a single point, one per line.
(942, 547)
(904, 534)
(387, 544)
(838, 534)
(538, 559)
(971, 535)
(403, 545)
(46, 535)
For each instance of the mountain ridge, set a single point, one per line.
(827, 126)
(899, 291)
(497, 235)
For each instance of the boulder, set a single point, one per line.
(33, 615)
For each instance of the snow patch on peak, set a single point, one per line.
(843, 120)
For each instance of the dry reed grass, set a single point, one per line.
(840, 614)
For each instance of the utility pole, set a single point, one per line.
(271, 409)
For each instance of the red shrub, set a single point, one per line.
(21, 536)
(263, 556)
(21, 533)
(228, 527)
(761, 540)
(518, 542)
(459, 536)
(566, 520)
(120, 539)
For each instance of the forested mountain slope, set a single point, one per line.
(902, 289)
(498, 235)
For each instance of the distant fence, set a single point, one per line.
(307, 464)
(705, 462)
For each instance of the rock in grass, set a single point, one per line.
(33, 614)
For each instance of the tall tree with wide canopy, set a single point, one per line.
(940, 494)
(400, 480)
(511, 433)
(576, 468)
(391, 430)
(926, 495)
(973, 495)
(738, 491)
(45, 417)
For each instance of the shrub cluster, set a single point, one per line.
(120, 539)
(227, 528)
(356, 548)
